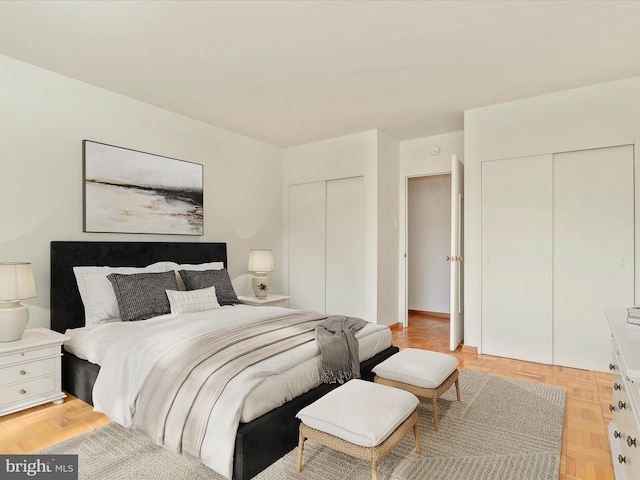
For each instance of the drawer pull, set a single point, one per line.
(621, 459)
(612, 366)
(616, 434)
(631, 441)
(23, 391)
(617, 386)
(22, 372)
(612, 408)
(622, 405)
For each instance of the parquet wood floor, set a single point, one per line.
(586, 452)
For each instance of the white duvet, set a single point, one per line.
(127, 351)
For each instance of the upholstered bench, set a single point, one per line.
(422, 372)
(362, 419)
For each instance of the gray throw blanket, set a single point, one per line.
(339, 348)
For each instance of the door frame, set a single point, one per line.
(404, 245)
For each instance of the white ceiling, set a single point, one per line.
(293, 72)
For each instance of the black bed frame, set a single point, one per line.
(258, 443)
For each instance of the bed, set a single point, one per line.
(258, 442)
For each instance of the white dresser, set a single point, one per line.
(30, 370)
(624, 430)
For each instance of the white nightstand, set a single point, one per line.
(270, 300)
(30, 370)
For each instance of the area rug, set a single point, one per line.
(503, 429)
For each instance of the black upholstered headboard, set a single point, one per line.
(67, 310)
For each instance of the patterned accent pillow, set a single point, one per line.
(142, 295)
(195, 280)
(193, 300)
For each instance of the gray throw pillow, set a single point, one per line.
(195, 280)
(142, 295)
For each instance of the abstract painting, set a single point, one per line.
(127, 191)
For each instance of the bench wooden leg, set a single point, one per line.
(416, 433)
(435, 413)
(300, 448)
(458, 389)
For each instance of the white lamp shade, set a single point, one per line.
(260, 261)
(16, 281)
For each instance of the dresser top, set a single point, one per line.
(32, 339)
(627, 337)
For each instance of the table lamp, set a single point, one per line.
(16, 283)
(260, 262)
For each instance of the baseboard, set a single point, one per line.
(469, 349)
(396, 326)
(424, 313)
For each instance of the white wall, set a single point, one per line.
(415, 160)
(429, 239)
(596, 116)
(374, 156)
(388, 164)
(44, 118)
(340, 157)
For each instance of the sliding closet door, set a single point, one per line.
(517, 258)
(593, 251)
(345, 245)
(307, 212)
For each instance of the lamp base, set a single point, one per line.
(13, 321)
(260, 285)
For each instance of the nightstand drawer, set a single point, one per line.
(27, 356)
(26, 371)
(25, 390)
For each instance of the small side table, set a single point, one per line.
(269, 300)
(30, 370)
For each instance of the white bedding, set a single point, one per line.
(120, 346)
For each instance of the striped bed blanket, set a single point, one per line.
(176, 400)
(182, 383)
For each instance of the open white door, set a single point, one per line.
(456, 327)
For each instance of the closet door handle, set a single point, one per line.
(448, 258)
(622, 405)
(612, 366)
(612, 408)
(617, 386)
(631, 441)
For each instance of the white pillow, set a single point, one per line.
(192, 300)
(198, 267)
(96, 291)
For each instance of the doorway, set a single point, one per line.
(428, 246)
(454, 257)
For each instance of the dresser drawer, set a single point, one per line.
(622, 414)
(624, 430)
(26, 390)
(28, 356)
(634, 397)
(626, 386)
(26, 371)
